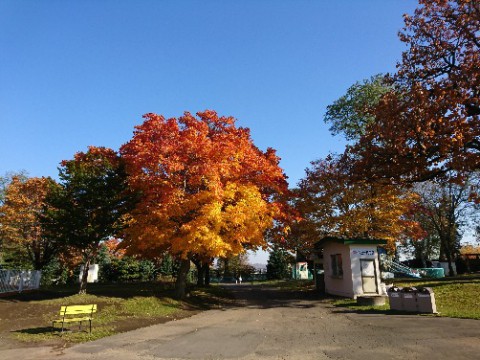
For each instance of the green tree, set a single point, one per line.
(350, 114)
(91, 203)
(278, 264)
(169, 265)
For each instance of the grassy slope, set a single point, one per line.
(455, 297)
(121, 307)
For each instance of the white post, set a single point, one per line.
(20, 285)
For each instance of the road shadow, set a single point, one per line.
(265, 297)
(115, 290)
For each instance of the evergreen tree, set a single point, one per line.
(278, 264)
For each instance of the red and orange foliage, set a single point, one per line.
(20, 219)
(430, 124)
(207, 190)
(332, 203)
(114, 249)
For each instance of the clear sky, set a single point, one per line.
(79, 73)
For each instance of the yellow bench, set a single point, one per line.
(76, 313)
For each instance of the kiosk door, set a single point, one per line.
(369, 280)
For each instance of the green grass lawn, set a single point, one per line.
(456, 297)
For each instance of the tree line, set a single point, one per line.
(194, 187)
(197, 188)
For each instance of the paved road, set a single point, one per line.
(268, 324)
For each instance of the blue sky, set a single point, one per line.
(79, 73)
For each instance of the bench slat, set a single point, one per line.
(69, 312)
(78, 309)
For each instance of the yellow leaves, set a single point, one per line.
(209, 223)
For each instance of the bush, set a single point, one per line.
(55, 273)
(127, 269)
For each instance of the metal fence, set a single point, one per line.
(19, 280)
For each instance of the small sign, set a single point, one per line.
(363, 252)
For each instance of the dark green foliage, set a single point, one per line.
(55, 273)
(169, 266)
(127, 269)
(278, 264)
(350, 114)
(114, 268)
(90, 204)
(12, 257)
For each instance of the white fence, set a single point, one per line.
(19, 280)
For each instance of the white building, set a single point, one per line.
(351, 266)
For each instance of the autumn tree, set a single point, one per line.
(333, 204)
(470, 248)
(22, 206)
(207, 190)
(443, 209)
(429, 126)
(90, 205)
(6, 179)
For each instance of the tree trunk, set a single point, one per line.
(181, 283)
(207, 273)
(450, 267)
(83, 281)
(200, 274)
(447, 253)
(226, 270)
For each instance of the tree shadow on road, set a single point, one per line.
(265, 297)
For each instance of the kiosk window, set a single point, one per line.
(337, 270)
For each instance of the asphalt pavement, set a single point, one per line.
(268, 323)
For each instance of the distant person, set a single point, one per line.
(240, 279)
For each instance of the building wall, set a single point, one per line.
(334, 285)
(367, 252)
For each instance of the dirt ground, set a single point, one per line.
(267, 323)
